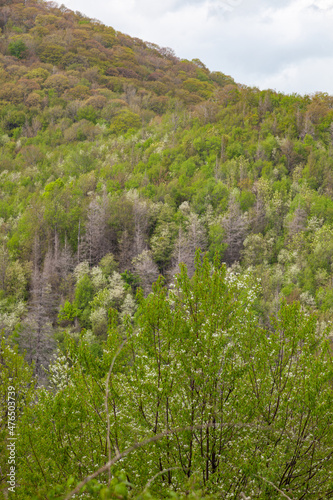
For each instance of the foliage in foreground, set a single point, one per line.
(241, 410)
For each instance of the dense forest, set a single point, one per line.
(166, 271)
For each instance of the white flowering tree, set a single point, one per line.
(195, 393)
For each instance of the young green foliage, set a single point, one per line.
(216, 398)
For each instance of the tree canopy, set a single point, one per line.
(191, 395)
(119, 161)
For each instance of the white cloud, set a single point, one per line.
(282, 44)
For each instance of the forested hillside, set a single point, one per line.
(118, 161)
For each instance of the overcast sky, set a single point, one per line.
(285, 45)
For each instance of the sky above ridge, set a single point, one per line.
(278, 44)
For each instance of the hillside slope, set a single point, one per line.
(118, 163)
(118, 160)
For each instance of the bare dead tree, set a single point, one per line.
(297, 223)
(36, 336)
(141, 224)
(235, 224)
(58, 263)
(146, 269)
(190, 238)
(94, 242)
(134, 237)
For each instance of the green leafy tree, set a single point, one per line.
(124, 121)
(201, 391)
(18, 48)
(84, 293)
(51, 53)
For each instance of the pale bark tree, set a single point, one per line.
(308, 128)
(258, 221)
(141, 225)
(235, 224)
(297, 223)
(147, 270)
(47, 287)
(262, 190)
(134, 238)
(93, 245)
(58, 264)
(36, 336)
(191, 237)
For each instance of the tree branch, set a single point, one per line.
(277, 489)
(107, 407)
(141, 444)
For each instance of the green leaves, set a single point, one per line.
(16, 394)
(214, 396)
(119, 121)
(124, 122)
(68, 312)
(18, 48)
